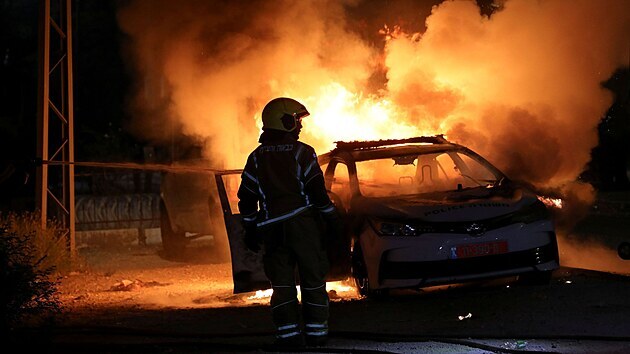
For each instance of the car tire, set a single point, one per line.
(359, 273)
(535, 278)
(173, 243)
(361, 281)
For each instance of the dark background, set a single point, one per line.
(102, 83)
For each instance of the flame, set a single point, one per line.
(336, 290)
(261, 294)
(551, 202)
(339, 114)
(493, 83)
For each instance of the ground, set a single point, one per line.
(131, 299)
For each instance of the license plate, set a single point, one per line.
(479, 249)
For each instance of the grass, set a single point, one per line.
(32, 260)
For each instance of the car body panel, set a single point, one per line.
(500, 226)
(247, 270)
(187, 197)
(437, 247)
(442, 208)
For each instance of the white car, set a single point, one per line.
(424, 211)
(417, 212)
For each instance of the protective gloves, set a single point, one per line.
(251, 239)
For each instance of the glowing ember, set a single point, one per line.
(551, 202)
(461, 318)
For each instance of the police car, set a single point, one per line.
(417, 212)
(425, 211)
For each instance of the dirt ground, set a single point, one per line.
(131, 299)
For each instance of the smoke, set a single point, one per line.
(591, 254)
(222, 61)
(522, 86)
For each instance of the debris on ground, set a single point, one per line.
(128, 285)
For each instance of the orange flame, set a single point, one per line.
(551, 202)
(339, 288)
(338, 114)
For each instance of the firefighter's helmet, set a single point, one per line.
(283, 114)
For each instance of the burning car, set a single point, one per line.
(424, 211)
(418, 212)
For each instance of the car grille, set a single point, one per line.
(468, 266)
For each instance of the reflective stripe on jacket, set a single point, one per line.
(280, 180)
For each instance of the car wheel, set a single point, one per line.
(361, 281)
(173, 243)
(359, 272)
(535, 278)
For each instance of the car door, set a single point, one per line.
(247, 269)
(247, 266)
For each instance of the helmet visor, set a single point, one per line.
(299, 115)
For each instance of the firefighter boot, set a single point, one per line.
(291, 342)
(316, 334)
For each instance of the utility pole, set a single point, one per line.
(55, 128)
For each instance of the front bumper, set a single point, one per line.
(399, 262)
(539, 258)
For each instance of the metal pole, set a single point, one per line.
(70, 146)
(58, 98)
(41, 197)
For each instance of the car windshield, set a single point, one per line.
(425, 173)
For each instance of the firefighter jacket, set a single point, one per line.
(280, 180)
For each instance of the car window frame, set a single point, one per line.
(349, 160)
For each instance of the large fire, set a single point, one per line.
(341, 115)
(513, 85)
(521, 86)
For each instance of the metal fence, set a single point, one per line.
(107, 200)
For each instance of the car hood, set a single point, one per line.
(465, 205)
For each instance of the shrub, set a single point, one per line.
(31, 261)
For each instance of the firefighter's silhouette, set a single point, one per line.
(283, 201)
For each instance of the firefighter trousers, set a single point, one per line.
(297, 242)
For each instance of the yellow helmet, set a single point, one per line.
(283, 114)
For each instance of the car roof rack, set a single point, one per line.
(364, 145)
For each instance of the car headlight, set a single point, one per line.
(391, 228)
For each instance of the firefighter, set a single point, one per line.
(283, 201)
